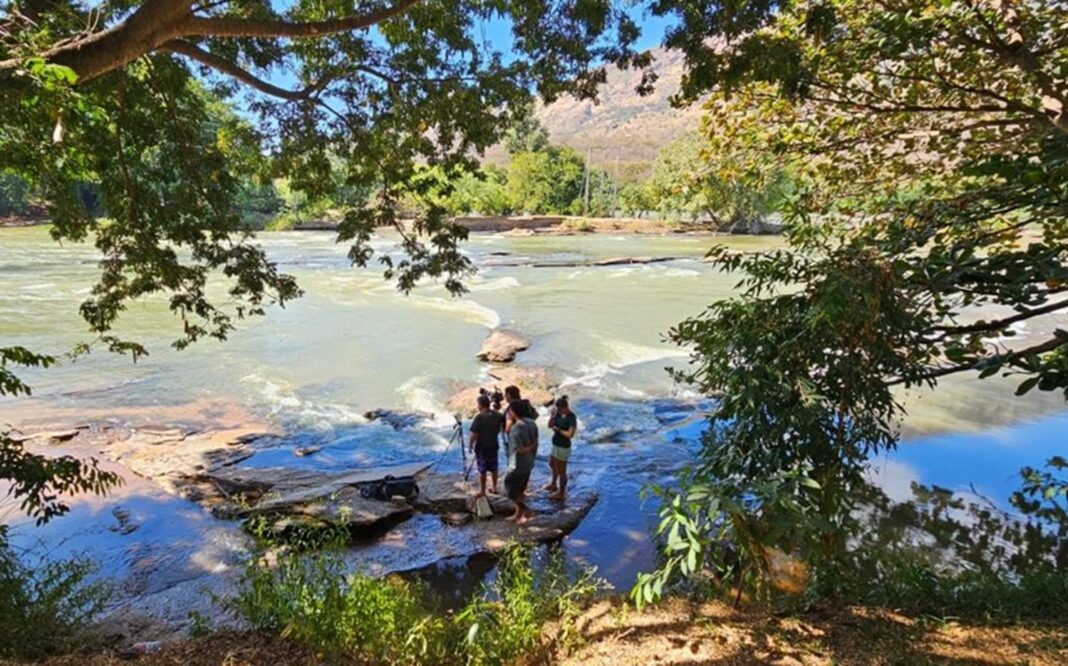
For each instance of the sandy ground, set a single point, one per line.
(680, 632)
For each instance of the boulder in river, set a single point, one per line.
(502, 346)
(535, 384)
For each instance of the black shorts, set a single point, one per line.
(515, 484)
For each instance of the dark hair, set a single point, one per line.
(512, 393)
(483, 401)
(562, 403)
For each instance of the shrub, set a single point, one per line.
(314, 601)
(47, 608)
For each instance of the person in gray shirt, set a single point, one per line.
(523, 446)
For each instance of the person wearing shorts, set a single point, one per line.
(485, 443)
(564, 424)
(523, 443)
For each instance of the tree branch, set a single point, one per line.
(199, 26)
(1000, 324)
(1008, 357)
(194, 52)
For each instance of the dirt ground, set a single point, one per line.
(685, 633)
(681, 632)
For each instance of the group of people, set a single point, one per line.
(517, 426)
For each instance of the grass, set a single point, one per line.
(527, 615)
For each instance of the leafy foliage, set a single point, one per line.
(929, 142)
(46, 608)
(40, 482)
(114, 94)
(314, 600)
(15, 195)
(548, 181)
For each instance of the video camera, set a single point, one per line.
(496, 396)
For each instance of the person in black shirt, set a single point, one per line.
(485, 442)
(564, 424)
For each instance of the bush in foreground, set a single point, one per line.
(46, 609)
(525, 616)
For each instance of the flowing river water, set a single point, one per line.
(353, 344)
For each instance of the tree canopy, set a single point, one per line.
(929, 140)
(114, 93)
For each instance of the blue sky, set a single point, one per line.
(497, 33)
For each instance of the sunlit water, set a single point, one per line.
(352, 344)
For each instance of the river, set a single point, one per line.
(353, 344)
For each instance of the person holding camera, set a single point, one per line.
(485, 440)
(564, 424)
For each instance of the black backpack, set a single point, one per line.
(390, 487)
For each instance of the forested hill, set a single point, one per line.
(621, 124)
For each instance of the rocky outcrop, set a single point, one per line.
(172, 456)
(552, 521)
(502, 346)
(204, 466)
(535, 384)
(623, 261)
(583, 263)
(397, 419)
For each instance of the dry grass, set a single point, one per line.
(680, 632)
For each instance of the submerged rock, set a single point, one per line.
(502, 346)
(398, 419)
(48, 436)
(622, 261)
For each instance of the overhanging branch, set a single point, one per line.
(1011, 357)
(194, 52)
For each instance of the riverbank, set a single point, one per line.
(551, 225)
(683, 632)
(567, 225)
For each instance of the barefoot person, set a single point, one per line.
(523, 446)
(485, 442)
(564, 424)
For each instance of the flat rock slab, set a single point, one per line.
(171, 457)
(624, 261)
(502, 346)
(283, 489)
(552, 521)
(49, 436)
(346, 507)
(610, 261)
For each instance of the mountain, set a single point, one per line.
(622, 124)
(621, 127)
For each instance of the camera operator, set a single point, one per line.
(485, 432)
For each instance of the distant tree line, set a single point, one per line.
(539, 178)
